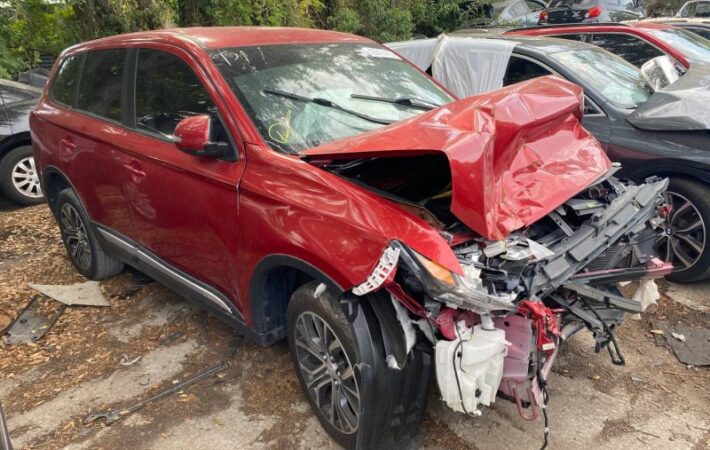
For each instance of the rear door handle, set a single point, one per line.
(67, 145)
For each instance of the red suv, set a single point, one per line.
(314, 185)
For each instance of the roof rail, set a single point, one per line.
(570, 25)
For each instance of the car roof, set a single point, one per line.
(538, 44)
(601, 26)
(219, 37)
(678, 21)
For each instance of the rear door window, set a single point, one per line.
(519, 9)
(167, 90)
(64, 87)
(534, 5)
(571, 37)
(702, 10)
(522, 69)
(102, 83)
(631, 48)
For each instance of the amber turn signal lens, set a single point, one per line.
(438, 271)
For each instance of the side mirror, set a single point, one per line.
(659, 72)
(192, 135)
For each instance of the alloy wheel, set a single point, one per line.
(327, 372)
(75, 236)
(25, 178)
(685, 235)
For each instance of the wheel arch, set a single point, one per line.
(275, 278)
(13, 141)
(671, 168)
(53, 182)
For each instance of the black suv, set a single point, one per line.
(575, 11)
(18, 177)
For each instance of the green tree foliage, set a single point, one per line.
(29, 27)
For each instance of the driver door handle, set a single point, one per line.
(135, 169)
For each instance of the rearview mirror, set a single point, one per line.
(192, 135)
(659, 72)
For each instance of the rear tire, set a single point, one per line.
(19, 180)
(687, 241)
(381, 406)
(80, 240)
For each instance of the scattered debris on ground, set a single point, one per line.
(86, 294)
(32, 322)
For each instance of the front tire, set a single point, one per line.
(686, 241)
(339, 347)
(19, 180)
(80, 240)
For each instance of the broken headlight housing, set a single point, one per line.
(454, 290)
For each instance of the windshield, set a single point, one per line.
(301, 96)
(619, 82)
(689, 44)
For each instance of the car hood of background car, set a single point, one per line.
(682, 106)
(515, 154)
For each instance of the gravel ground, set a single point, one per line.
(653, 402)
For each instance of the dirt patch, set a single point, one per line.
(439, 435)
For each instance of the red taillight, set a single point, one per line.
(542, 18)
(593, 12)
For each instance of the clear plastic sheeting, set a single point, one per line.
(466, 65)
(470, 66)
(419, 52)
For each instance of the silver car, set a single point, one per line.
(520, 13)
(696, 8)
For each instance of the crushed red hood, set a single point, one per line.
(515, 154)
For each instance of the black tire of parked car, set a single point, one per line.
(80, 240)
(697, 194)
(392, 400)
(7, 163)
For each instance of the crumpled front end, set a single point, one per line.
(497, 327)
(539, 231)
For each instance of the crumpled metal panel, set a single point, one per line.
(682, 106)
(515, 154)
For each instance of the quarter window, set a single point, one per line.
(65, 83)
(521, 69)
(101, 83)
(167, 91)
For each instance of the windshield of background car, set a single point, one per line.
(615, 79)
(572, 3)
(689, 44)
(261, 76)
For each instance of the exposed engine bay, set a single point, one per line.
(497, 328)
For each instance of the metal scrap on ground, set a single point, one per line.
(32, 323)
(88, 293)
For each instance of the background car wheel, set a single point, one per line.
(19, 180)
(79, 238)
(359, 399)
(685, 242)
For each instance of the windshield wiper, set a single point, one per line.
(326, 103)
(411, 102)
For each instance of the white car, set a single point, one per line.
(695, 8)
